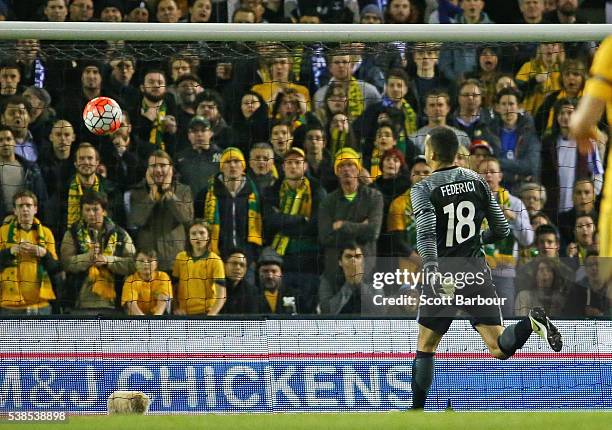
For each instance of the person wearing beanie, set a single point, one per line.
(371, 14)
(231, 204)
(111, 11)
(273, 296)
(136, 11)
(353, 212)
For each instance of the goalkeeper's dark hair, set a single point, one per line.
(444, 144)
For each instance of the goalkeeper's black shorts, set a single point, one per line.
(477, 301)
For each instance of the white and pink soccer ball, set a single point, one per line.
(102, 115)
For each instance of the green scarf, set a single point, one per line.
(75, 192)
(156, 137)
(293, 202)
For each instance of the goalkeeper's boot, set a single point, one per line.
(544, 328)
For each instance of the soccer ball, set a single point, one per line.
(102, 115)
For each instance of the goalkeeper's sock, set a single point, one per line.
(514, 336)
(422, 376)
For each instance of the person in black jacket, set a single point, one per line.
(273, 297)
(290, 218)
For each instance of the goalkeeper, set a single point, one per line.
(449, 208)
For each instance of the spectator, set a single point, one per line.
(16, 116)
(592, 297)
(335, 101)
(340, 133)
(548, 243)
(584, 239)
(290, 106)
(479, 150)
(392, 183)
(562, 163)
(241, 293)
(540, 76)
(572, 79)
(136, 11)
(261, 165)
(447, 9)
(281, 139)
(119, 85)
(351, 213)
(18, 173)
(94, 252)
(487, 74)
(291, 212)
(371, 14)
(280, 78)
(437, 108)
(360, 94)
(161, 207)
(395, 95)
(200, 161)
(427, 77)
(386, 139)
(120, 157)
(532, 12)
(319, 158)
(111, 11)
(10, 79)
(251, 125)
(546, 291)
(470, 116)
(533, 196)
(81, 10)
(232, 207)
(167, 11)
(399, 12)
(200, 275)
(72, 103)
(473, 13)
(520, 147)
(200, 10)
(187, 89)
(502, 256)
(354, 296)
(42, 115)
(155, 121)
(148, 291)
(209, 104)
(27, 260)
(273, 295)
(583, 197)
(55, 10)
(87, 160)
(567, 13)
(243, 16)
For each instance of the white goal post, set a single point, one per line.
(79, 31)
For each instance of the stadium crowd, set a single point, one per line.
(277, 180)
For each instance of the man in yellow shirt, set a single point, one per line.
(148, 291)
(27, 259)
(597, 97)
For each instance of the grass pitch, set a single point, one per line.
(382, 421)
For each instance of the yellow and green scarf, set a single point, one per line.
(156, 137)
(410, 119)
(101, 278)
(75, 192)
(211, 215)
(375, 167)
(293, 202)
(356, 99)
(12, 272)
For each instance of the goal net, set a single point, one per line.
(294, 149)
